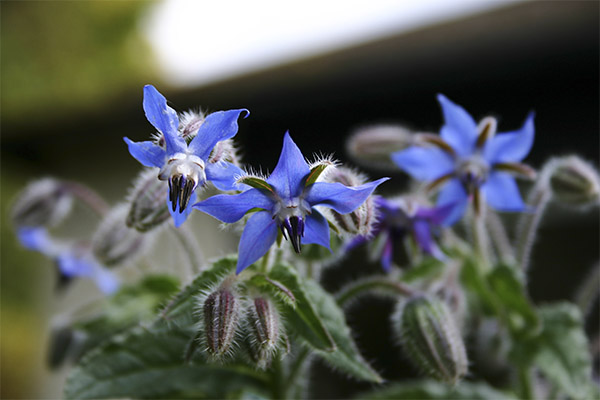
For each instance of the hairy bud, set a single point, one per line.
(148, 208)
(114, 243)
(372, 145)
(224, 151)
(221, 315)
(430, 338)
(44, 202)
(263, 322)
(359, 221)
(574, 181)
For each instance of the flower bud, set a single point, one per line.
(263, 322)
(148, 208)
(189, 123)
(114, 243)
(221, 315)
(359, 221)
(44, 202)
(573, 181)
(224, 151)
(430, 338)
(372, 145)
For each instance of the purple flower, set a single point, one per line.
(72, 261)
(184, 165)
(470, 160)
(285, 201)
(401, 218)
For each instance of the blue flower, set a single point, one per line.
(72, 261)
(185, 166)
(470, 160)
(285, 201)
(398, 219)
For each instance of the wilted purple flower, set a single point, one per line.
(470, 159)
(72, 260)
(184, 165)
(285, 201)
(400, 218)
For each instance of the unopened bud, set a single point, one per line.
(430, 338)
(574, 181)
(359, 221)
(148, 208)
(224, 151)
(372, 145)
(44, 202)
(114, 243)
(189, 123)
(263, 322)
(221, 315)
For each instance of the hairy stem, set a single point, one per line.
(480, 237)
(297, 370)
(527, 391)
(190, 248)
(529, 222)
(500, 238)
(88, 197)
(377, 283)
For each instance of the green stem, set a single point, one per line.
(380, 284)
(88, 197)
(480, 238)
(500, 238)
(526, 383)
(190, 248)
(297, 369)
(529, 222)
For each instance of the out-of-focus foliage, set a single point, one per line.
(69, 55)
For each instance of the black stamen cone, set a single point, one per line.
(295, 233)
(185, 193)
(174, 187)
(62, 280)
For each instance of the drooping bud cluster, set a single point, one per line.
(360, 221)
(221, 311)
(44, 202)
(264, 330)
(148, 208)
(372, 145)
(115, 243)
(430, 338)
(574, 181)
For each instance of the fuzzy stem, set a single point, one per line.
(527, 391)
(480, 237)
(362, 286)
(588, 291)
(190, 248)
(88, 197)
(297, 369)
(529, 222)
(500, 238)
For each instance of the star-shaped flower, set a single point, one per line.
(185, 166)
(398, 219)
(470, 160)
(71, 260)
(285, 201)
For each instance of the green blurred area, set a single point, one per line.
(58, 58)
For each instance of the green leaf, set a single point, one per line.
(302, 315)
(563, 354)
(144, 363)
(429, 267)
(346, 357)
(432, 390)
(275, 288)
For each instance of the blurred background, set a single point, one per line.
(72, 75)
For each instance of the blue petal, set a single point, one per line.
(179, 218)
(223, 175)
(106, 281)
(435, 215)
(316, 230)
(288, 176)
(258, 236)
(164, 118)
(147, 153)
(216, 127)
(72, 265)
(36, 239)
(422, 234)
(231, 208)
(511, 146)
(343, 199)
(501, 192)
(387, 254)
(453, 193)
(424, 163)
(459, 130)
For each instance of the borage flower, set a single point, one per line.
(72, 260)
(470, 160)
(399, 219)
(285, 201)
(185, 166)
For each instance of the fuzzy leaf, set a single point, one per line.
(432, 390)
(147, 363)
(273, 287)
(563, 354)
(426, 269)
(302, 316)
(346, 357)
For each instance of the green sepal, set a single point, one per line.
(273, 287)
(316, 171)
(256, 183)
